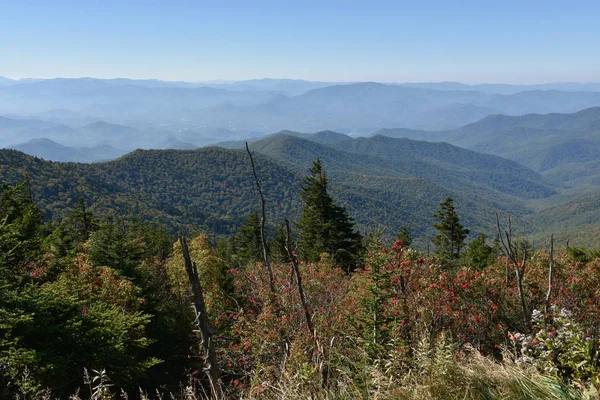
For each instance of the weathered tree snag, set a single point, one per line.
(294, 262)
(210, 357)
(550, 274)
(512, 253)
(263, 235)
(507, 272)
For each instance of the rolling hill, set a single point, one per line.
(447, 165)
(212, 188)
(208, 189)
(561, 146)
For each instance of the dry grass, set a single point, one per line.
(440, 376)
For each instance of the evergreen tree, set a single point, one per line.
(111, 246)
(278, 251)
(404, 236)
(248, 242)
(451, 237)
(21, 229)
(72, 231)
(325, 227)
(479, 253)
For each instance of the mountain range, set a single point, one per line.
(209, 112)
(532, 151)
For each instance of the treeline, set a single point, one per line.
(103, 305)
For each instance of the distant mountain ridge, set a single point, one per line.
(498, 88)
(53, 151)
(305, 85)
(446, 165)
(258, 107)
(96, 141)
(554, 142)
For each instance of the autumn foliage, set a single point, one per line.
(116, 299)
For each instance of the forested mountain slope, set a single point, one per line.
(209, 189)
(561, 145)
(212, 189)
(447, 165)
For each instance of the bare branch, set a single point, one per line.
(202, 323)
(263, 235)
(299, 280)
(512, 254)
(550, 274)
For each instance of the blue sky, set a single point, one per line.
(469, 41)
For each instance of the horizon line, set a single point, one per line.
(228, 81)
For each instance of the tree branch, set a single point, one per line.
(263, 235)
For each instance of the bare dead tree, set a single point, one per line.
(294, 262)
(263, 236)
(511, 250)
(507, 272)
(201, 320)
(550, 274)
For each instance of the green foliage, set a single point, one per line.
(60, 313)
(213, 274)
(479, 254)
(205, 190)
(114, 296)
(248, 241)
(404, 236)
(378, 285)
(20, 231)
(111, 246)
(210, 189)
(451, 237)
(278, 245)
(70, 233)
(583, 255)
(87, 317)
(325, 227)
(560, 347)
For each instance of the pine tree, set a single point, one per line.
(479, 253)
(451, 237)
(404, 236)
(21, 228)
(74, 230)
(278, 246)
(248, 242)
(325, 227)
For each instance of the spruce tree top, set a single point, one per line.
(451, 237)
(325, 227)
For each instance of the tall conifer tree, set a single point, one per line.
(325, 227)
(451, 237)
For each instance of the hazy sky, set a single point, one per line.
(470, 41)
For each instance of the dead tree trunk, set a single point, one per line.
(507, 272)
(294, 262)
(550, 274)
(511, 251)
(263, 235)
(201, 320)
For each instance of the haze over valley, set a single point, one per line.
(129, 114)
